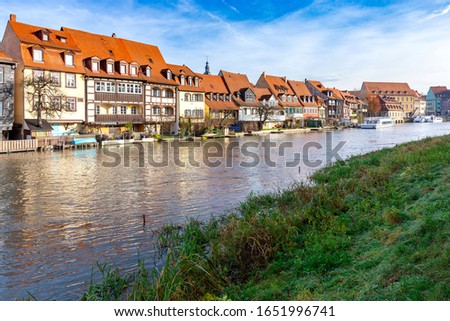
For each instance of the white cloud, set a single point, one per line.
(342, 46)
(437, 13)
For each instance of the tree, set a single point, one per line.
(7, 97)
(264, 111)
(373, 105)
(45, 97)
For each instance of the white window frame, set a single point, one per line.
(1, 108)
(71, 104)
(71, 80)
(123, 69)
(133, 70)
(114, 110)
(95, 66)
(148, 72)
(110, 68)
(2, 75)
(38, 55)
(123, 110)
(134, 110)
(37, 74)
(56, 77)
(69, 59)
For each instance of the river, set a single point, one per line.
(63, 211)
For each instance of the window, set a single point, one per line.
(169, 75)
(38, 74)
(123, 110)
(148, 72)
(182, 80)
(72, 104)
(56, 103)
(1, 75)
(133, 70)
(133, 110)
(63, 40)
(156, 92)
(129, 88)
(45, 37)
(1, 108)
(249, 97)
(187, 97)
(114, 110)
(38, 55)
(283, 98)
(68, 59)
(187, 113)
(295, 99)
(95, 66)
(56, 77)
(156, 110)
(97, 110)
(123, 69)
(290, 99)
(70, 80)
(110, 68)
(189, 81)
(168, 93)
(168, 111)
(105, 87)
(196, 81)
(198, 97)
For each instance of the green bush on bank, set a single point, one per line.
(373, 228)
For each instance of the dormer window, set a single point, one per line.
(295, 99)
(169, 75)
(189, 81)
(196, 82)
(44, 37)
(133, 70)
(290, 98)
(95, 66)
(283, 98)
(69, 59)
(182, 80)
(110, 68)
(38, 55)
(123, 69)
(148, 72)
(63, 40)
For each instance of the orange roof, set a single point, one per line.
(236, 82)
(214, 84)
(30, 35)
(438, 89)
(279, 85)
(300, 89)
(5, 58)
(391, 88)
(178, 70)
(119, 49)
(221, 105)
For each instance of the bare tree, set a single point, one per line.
(264, 111)
(45, 98)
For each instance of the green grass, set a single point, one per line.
(373, 228)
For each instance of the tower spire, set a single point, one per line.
(207, 72)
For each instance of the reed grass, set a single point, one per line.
(372, 228)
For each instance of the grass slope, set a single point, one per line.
(373, 228)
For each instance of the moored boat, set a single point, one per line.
(377, 122)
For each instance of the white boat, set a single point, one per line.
(421, 119)
(377, 122)
(434, 119)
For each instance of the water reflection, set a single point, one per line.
(63, 211)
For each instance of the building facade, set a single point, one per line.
(7, 70)
(434, 100)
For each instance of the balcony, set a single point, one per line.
(161, 118)
(119, 119)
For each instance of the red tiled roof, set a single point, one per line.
(300, 89)
(221, 105)
(385, 88)
(5, 58)
(179, 70)
(118, 49)
(236, 82)
(438, 89)
(214, 84)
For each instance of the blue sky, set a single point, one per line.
(342, 43)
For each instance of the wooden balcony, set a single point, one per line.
(119, 119)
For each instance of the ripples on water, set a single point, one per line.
(61, 212)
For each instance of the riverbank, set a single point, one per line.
(374, 228)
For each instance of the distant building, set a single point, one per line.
(401, 92)
(7, 68)
(390, 107)
(191, 98)
(310, 107)
(435, 97)
(333, 99)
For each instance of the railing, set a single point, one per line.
(121, 119)
(9, 146)
(161, 118)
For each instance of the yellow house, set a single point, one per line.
(43, 52)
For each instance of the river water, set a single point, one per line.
(61, 212)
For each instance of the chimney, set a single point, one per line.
(285, 79)
(12, 17)
(113, 35)
(264, 74)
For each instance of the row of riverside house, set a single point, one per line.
(107, 83)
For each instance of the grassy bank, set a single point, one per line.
(375, 228)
